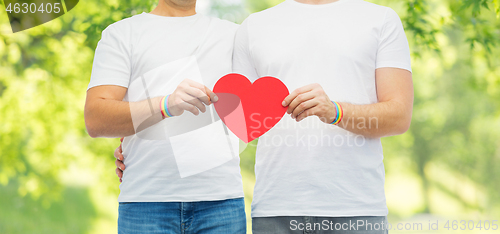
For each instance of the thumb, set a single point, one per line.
(211, 95)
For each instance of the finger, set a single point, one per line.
(119, 173)
(207, 91)
(211, 95)
(188, 107)
(305, 114)
(295, 93)
(121, 139)
(118, 153)
(304, 106)
(201, 94)
(119, 164)
(299, 99)
(289, 98)
(194, 102)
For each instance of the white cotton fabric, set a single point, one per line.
(186, 158)
(312, 168)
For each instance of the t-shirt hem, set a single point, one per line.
(394, 65)
(319, 213)
(108, 82)
(213, 197)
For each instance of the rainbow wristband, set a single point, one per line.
(340, 113)
(164, 107)
(163, 112)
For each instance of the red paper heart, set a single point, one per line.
(250, 110)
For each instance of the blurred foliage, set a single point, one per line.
(25, 215)
(452, 148)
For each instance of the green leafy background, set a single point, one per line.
(54, 178)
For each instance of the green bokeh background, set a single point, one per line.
(54, 178)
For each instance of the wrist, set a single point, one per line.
(339, 113)
(332, 114)
(156, 102)
(164, 107)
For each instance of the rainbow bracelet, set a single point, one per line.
(340, 113)
(164, 107)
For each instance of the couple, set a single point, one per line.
(345, 61)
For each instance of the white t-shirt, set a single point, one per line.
(185, 158)
(312, 168)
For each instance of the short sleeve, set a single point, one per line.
(242, 59)
(393, 49)
(112, 59)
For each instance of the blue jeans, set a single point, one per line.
(226, 216)
(319, 225)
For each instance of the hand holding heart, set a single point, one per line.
(250, 110)
(190, 96)
(308, 101)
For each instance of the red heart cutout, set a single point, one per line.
(250, 110)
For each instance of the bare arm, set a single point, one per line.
(391, 115)
(107, 115)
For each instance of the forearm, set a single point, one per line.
(376, 120)
(113, 118)
(391, 115)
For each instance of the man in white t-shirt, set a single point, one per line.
(348, 63)
(345, 58)
(183, 172)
